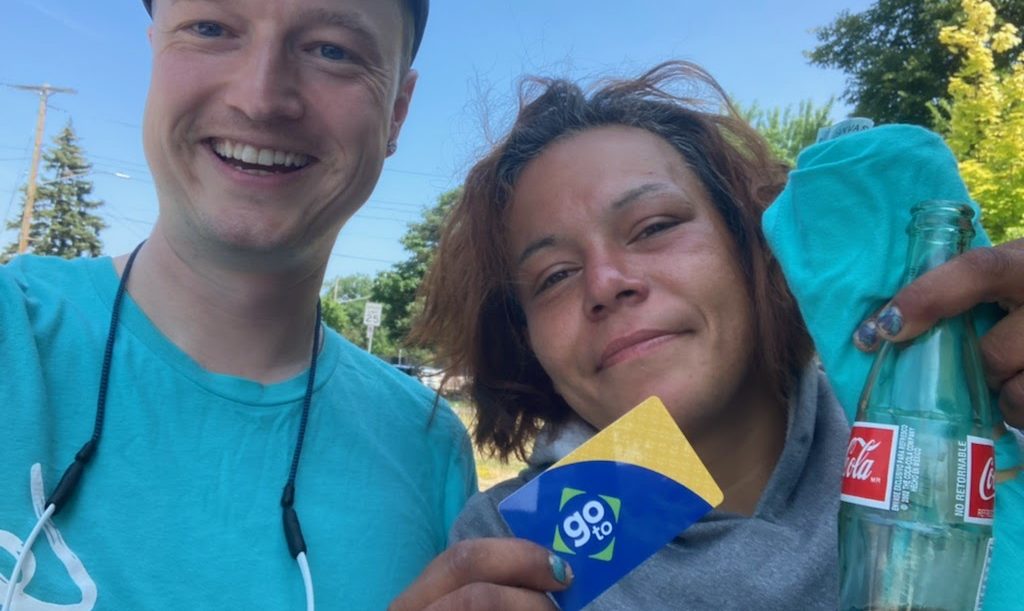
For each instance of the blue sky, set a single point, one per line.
(473, 52)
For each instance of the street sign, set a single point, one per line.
(372, 313)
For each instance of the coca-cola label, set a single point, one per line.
(868, 473)
(981, 489)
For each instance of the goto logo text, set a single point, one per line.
(587, 524)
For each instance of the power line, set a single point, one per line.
(415, 173)
(396, 210)
(341, 256)
(10, 203)
(345, 235)
(15, 188)
(95, 116)
(108, 170)
(370, 217)
(392, 202)
(141, 166)
(128, 227)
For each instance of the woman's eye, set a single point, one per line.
(655, 228)
(552, 279)
(208, 29)
(332, 52)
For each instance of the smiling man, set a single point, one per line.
(212, 402)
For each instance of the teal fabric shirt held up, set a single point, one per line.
(839, 232)
(180, 506)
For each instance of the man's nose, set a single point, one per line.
(612, 284)
(266, 87)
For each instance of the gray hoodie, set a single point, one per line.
(782, 557)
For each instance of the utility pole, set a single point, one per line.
(44, 91)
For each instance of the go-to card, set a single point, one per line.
(615, 500)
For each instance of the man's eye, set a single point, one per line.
(208, 29)
(333, 52)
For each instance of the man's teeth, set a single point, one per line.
(247, 153)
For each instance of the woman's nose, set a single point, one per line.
(612, 284)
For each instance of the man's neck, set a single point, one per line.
(257, 326)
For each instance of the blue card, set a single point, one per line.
(614, 501)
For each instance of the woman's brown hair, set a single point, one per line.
(470, 316)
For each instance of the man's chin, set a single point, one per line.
(257, 248)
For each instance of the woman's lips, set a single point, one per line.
(633, 345)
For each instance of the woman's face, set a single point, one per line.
(629, 280)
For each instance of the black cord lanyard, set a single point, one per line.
(69, 481)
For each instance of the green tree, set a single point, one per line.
(63, 224)
(343, 302)
(789, 130)
(396, 288)
(891, 52)
(983, 121)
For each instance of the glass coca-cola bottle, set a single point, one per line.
(918, 492)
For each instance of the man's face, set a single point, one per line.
(268, 120)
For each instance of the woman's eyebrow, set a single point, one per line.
(636, 193)
(533, 247)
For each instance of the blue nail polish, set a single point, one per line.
(890, 321)
(558, 569)
(867, 335)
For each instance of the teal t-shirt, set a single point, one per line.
(180, 508)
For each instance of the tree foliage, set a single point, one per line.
(345, 297)
(63, 223)
(343, 303)
(983, 120)
(396, 288)
(891, 52)
(789, 130)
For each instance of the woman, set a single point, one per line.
(631, 266)
(609, 249)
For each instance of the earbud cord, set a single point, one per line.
(292, 530)
(69, 480)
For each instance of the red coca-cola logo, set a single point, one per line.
(867, 475)
(859, 464)
(981, 465)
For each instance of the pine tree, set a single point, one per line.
(63, 223)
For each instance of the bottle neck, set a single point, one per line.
(939, 372)
(939, 231)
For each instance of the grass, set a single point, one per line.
(489, 470)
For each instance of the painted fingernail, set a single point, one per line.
(890, 321)
(560, 569)
(866, 336)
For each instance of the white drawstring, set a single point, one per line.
(307, 580)
(307, 577)
(26, 549)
